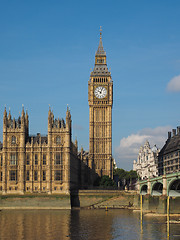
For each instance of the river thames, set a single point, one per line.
(83, 224)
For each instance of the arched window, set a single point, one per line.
(57, 159)
(13, 159)
(58, 140)
(13, 140)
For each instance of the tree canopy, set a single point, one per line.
(125, 174)
(106, 181)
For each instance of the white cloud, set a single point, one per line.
(174, 84)
(128, 148)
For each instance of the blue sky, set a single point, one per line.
(47, 49)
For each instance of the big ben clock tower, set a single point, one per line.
(100, 98)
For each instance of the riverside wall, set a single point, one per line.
(35, 202)
(103, 199)
(92, 199)
(98, 199)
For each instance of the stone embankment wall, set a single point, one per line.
(96, 199)
(35, 202)
(106, 198)
(124, 199)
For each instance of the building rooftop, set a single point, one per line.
(38, 139)
(172, 144)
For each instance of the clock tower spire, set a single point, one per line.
(100, 98)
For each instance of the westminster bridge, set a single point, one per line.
(167, 185)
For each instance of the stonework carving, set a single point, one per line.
(146, 165)
(100, 98)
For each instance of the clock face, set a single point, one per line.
(100, 92)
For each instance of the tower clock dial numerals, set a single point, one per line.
(100, 92)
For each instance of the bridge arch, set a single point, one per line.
(144, 189)
(157, 189)
(174, 188)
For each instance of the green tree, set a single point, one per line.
(125, 174)
(133, 174)
(106, 181)
(120, 172)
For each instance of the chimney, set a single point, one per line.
(169, 135)
(178, 130)
(174, 132)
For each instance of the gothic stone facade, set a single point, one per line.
(37, 164)
(100, 98)
(146, 165)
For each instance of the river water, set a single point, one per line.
(83, 224)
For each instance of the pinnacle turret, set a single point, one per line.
(68, 117)
(5, 112)
(100, 51)
(26, 116)
(9, 116)
(5, 118)
(22, 114)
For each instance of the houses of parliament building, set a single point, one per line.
(52, 164)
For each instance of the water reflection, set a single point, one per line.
(83, 224)
(34, 224)
(91, 224)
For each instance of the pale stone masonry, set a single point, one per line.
(100, 98)
(146, 165)
(38, 164)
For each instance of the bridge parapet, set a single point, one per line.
(168, 184)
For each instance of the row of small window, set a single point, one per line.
(100, 79)
(102, 102)
(35, 175)
(14, 140)
(43, 189)
(171, 162)
(14, 159)
(58, 175)
(171, 155)
(13, 188)
(100, 60)
(29, 188)
(172, 168)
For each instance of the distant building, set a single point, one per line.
(169, 156)
(114, 164)
(146, 165)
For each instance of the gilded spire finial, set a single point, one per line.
(100, 32)
(100, 50)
